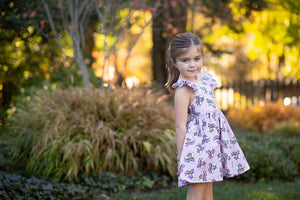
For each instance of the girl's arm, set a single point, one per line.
(182, 99)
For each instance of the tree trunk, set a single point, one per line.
(168, 20)
(82, 66)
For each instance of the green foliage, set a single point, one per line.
(67, 132)
(3, 154)
(93, 187)
(226, 191)
(12, 16)
(20, 48)
(253, 39)
(270, 157)
(111, 183)
(110, 186)
(288, 128)
(145, 182)
(16, 187)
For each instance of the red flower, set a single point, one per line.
(32, 14)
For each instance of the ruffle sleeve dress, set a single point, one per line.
(210, 150)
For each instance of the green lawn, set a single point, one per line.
(275, 190)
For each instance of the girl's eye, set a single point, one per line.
(184, 60)
(198, 58)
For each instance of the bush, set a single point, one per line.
(96, 186)
(263, 118)
(67, 132)
(270, 157)
(287, 128)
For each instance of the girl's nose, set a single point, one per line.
(191, 64)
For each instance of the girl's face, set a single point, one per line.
(190, 63)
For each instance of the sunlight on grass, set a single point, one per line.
(263, 195)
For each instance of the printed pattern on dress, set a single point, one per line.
(210, 151)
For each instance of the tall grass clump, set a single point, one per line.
(66, 132)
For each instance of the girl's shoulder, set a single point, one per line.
(181, 82)
(183, 92)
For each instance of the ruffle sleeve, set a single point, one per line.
(182, 82)
(207, 77)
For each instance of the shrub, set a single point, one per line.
(270, 157)
(66, 132)
(96, 186)
(263, 118)
(287, 128)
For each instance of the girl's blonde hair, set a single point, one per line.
(179, 46)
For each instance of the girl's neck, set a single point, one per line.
(190, 79)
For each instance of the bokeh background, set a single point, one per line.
(83, 100)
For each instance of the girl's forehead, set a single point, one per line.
(191, 51)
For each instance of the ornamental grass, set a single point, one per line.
(70, 131)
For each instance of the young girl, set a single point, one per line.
(207, 148)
